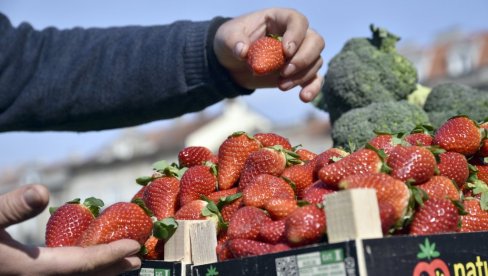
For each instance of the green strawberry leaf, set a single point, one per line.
(52, 210)
(141, 204)
(160, 165)
(165, 228)
(144, 180)
(94, 205)
(225, 200)
(74, 201)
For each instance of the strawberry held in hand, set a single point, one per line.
(68, 222)
(266, 55)
(121, 220)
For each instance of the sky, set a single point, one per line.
(337, 21)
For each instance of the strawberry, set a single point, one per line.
(222, 248)
(161, 196)
(195, 155)
(316, 192)
(306, 155)
(198, 180)
(305, 225)
(412, 163)
(476, 219)
(272, 232)
(454, 166)
(440, 186)
(483, 151)
(388, 189)
(68, 222)
(300, 175)
(458, 134)
(482, 172)
(420, 136)
(245, 223)
(154, 249)
(272, 139)
(385, 142)
(121, 220)
(325, 158)
(363, 161)
(228, 202)
(199, 209)
(248, 247)
(436, 215)
(269, 160)
(265, 187)
(388, 216)
(139, 193)
(266, 55)
(279, 208)
(232, 156)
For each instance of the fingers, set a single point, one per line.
(105, 259)
(301, 77)
(311, 89)
(307, 54)
(296, 26)
(22, 204)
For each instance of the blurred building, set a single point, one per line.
(454, 56)
(110, 174)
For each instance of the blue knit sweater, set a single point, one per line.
(91, 79)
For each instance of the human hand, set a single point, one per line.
(302, 47)
(19, 259)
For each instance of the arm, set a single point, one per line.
(89, 79)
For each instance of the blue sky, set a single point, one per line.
(415, 21)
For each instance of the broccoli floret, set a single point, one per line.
(451, 99)
(358, 126)
(419, 96)
(365, 71)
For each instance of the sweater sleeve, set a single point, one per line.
(101, 78)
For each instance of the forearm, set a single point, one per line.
(89, 79)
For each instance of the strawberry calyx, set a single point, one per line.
(162, 168)
(92, 203)
(212, 212)
(165, 228)
(481, 188)
(381, 153)
(141, 204)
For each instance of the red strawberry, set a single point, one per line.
(419, 139)
(247, 247)
(245, 223)
(300, 175)
(436, 215)
(272, 139)
(316, 192)
(232, 156)
(388, 216)
(195, 155)
(363, 161)
(412, 163)
(68, 222)
(306, 155)
(440, 186)
(154, 249)
(272, 232)
(266, 55)
(228, 201)
(388, 189)
(385, 142)
(476, 219)
(139, 193)
(198, 180)
(454, 166)
(161, 196)
(200, 210)
(325, 158)
(305, 225)
(270, 160)
(482, 172)
(459, 134)
(122, 220)
(222, 249)
(279, 208)
(483, 151)
(265, 187)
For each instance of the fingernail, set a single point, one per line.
(238, 49)
(291, 47)
(289, 69)
(33, 198)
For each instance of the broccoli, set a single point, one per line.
(365, 71)
(359, 125)
(450, 99)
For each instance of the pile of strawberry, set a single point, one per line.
(266, 196)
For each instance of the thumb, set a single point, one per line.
(22, 204)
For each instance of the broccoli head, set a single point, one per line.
(451, 99)
(365, 71)
(359, 125)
